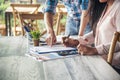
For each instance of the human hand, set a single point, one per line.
(83, 41)
(69, 42)
(86, 50)
(51, 39)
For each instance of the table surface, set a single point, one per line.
(14, 65)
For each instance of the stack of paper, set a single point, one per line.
(49, 49)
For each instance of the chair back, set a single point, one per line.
(19, 9)
(116, 37)
(61, 10)
(21, 1)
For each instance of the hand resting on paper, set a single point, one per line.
(70, 42)
(86, 50)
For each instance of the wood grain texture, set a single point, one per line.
(14, 65)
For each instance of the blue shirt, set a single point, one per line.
(74, 7)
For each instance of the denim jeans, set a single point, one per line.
(72, 27)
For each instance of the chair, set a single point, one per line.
(19, 9)
(61, 10)
(2, 29)
(32, 23)
(116, 37)
(25, 1)
(21, 1)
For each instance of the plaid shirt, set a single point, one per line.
(73, 7)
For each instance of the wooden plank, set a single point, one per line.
(78, 68)
(13, 46)
(20, 68)
(56, 70)
(32, 16)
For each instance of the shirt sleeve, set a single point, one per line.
(84, 4)
(89, 37)
(104, 48)
(50, 6)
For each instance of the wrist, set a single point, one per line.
(95, 51)
(50, 31)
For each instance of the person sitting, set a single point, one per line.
(103, 27)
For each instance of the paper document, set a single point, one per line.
(43, 57)
(49, 49)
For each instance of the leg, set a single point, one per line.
(72, 26)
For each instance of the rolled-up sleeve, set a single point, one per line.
(89, 36)
(104, 48)
(50, 6)
(84, 4)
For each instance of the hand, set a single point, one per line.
(83, 41)
(86, 50)
(69, 42)
(51, 39)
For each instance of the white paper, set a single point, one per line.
(44, 57)
(48, 49)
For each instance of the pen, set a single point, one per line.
(67, 38)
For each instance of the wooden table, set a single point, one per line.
(14, 65)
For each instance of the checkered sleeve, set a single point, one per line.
(50, 6)
(84, 4)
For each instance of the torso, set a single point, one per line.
(106, 25)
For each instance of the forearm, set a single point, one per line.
(104, 49)
(48, 18)
(89, 37)
(84, 21)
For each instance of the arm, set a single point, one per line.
(84, 17)
(50, 8)
(84, 22)
(51, 38)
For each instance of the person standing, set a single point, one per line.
(77, 18)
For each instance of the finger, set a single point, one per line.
(78, 46)
(54, 42)
(80, 49)
(48, 41)
(51, 41)
(63, 39)
(81, 53)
